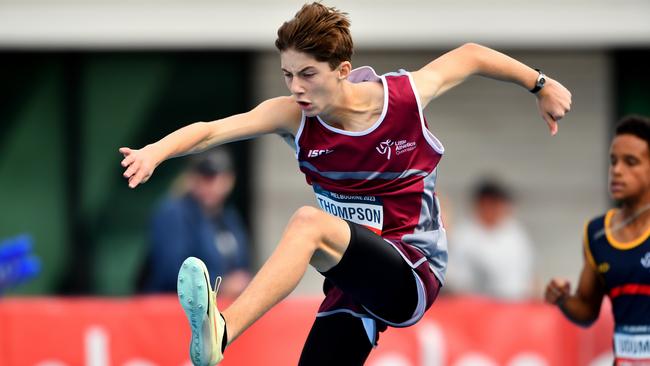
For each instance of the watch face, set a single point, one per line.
(541, 81)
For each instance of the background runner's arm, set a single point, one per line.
(583, 307)
(280, 114)
(452, 68)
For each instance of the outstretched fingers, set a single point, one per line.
(128, 160)
(131, 170)
(136, 179)
(135, 169)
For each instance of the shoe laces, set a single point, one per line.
(217, 283)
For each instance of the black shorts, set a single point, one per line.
(373, 283)
(375, 274)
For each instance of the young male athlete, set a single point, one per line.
(363, 144)
(617, 250)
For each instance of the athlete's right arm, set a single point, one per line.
(452, 68)
(280, 114)
(583, 307)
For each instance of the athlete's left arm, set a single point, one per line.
(452, 68)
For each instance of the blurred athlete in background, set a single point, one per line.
(617, 250)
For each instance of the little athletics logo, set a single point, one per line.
(401, 146)
(384, 148)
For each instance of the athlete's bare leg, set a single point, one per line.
(311, 237)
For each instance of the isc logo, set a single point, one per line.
(315, 153)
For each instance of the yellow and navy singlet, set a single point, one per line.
(625, 270)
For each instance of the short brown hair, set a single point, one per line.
(322, 32)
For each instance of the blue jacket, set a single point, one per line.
(180, 229)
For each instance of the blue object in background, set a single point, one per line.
(15, 247)
(17, 264)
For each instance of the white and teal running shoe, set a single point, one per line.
(200, 305)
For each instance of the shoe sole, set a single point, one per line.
(193, 291)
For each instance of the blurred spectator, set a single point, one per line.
(490, 253)
(197, 223)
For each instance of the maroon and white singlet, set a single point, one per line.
(384, 179)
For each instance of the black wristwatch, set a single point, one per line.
(539, 83)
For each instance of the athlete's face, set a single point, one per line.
(312, 83)
(629, 168)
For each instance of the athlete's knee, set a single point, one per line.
(314, 229)
(304, 224)
(306, 217)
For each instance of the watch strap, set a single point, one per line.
(539, 82)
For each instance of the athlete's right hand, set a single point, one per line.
(553, 103)
(557, 290)
(139, 164)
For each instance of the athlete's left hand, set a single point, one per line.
(139, 164)
(553, 102)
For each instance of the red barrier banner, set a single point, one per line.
(149, 331)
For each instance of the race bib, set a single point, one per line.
(367, 211)
(632, 343)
